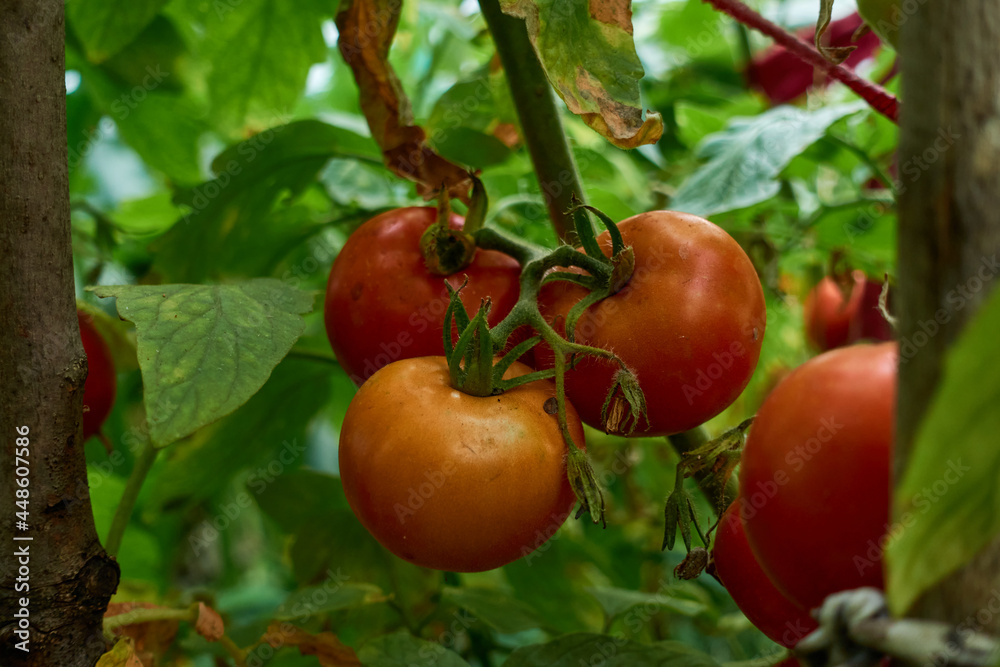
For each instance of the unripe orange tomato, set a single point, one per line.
(451, 481)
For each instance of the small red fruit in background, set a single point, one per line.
(783, 77)
(382, 304)
(754, 593)
(815, 473)
(99, 389)
(836, 316)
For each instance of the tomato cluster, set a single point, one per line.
(462, 482)
(101, 384)
(815, 473)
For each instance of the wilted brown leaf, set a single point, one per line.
(209, 624)
(329, 650)
(366, 31)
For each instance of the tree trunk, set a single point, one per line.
(53, 561)
(949, 233)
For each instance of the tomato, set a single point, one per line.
(451, 481)
(382, 304)
(689, 323)
(784, 77)
(834, 319)
(753, 592)
(101, 384)
(815, 473)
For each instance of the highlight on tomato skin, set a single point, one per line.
(815, 473)
(101, 385)
(383, 305)
(690, 323)
(451, 481)
(752, 590)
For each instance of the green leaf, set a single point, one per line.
(333, 595)
(470, 147)
(299, 498)
(588, 54)
(205, 350)
(255, 74)
(745, 158)
(496, 608)
(239, 219)
(618, 601)
(609, 651)
(945, 508)
(268, 433)
(146, 216)
(162, 128)
(106, 26)
(401, 649)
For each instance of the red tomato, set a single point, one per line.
(452, 481)
(99, 389)
(753, 592)
(689, 323)
(382, 304)
(815, 473)
(783, 77)
(834, 320)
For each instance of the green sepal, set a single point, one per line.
(585, 485)
(625, 405)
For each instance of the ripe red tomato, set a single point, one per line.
(101, 384)
(689, 323)
(382, 304)
(834, 320)
(753, 592)
(815, 473)
(452, 481)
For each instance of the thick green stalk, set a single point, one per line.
(540, 124)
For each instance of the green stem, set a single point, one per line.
(707, 482)
(536, 108)
(143, 463)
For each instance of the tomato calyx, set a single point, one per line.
(719, 457)
(446, 250)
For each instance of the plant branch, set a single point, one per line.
(708, 483)
(536, 107)
(143, 463)
(876, 96)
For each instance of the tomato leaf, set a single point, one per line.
(333, 595)
(495, 608)
(401, 649)
(588, 54)
(367, 28)
(254, 75)
(205, 350)
(106, 26)
(618, 601)
(745, 158)
(291, 498)
(583, 648)
(945, 507)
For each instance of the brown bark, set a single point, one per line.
(42, 364)
(949, 160)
